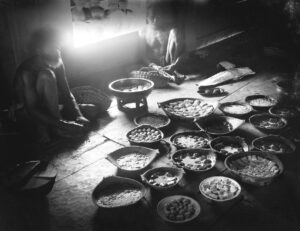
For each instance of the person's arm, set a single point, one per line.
(175, 49)
(31, 105)
(69, 101)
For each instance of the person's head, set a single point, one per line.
(161, 15)
(46, 43)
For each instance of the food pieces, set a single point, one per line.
(133, 88)
(228, 149)
(270, 123)
(119, 196)
(273, 146)
(133, 161)
(163, 178)
(189, 108)
(220, 188)
(145, 134)
(180, 209)
(255, 166)
(238, 109)
(194, 161)
(154, 120)
(262, 102)
(191, 141)
(219, 126)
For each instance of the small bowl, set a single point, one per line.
(255, 119)
(227, 140)
(114, 156)
(208, 153)
(285, 112)
(116, 183)
(191, 133)
(174, 171)
(272, 101)
(207, 181)
(250, 179)
(164, 120)
(205, 124)
(144, 142)
(161, 208)
(212, 105)
(117, 86)
(246, 106)
(272, 138)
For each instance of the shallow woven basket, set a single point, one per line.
(91, 95)
(159, 81)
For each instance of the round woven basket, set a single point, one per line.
(91, 95)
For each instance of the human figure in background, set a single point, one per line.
(41, 90)
(163, 36)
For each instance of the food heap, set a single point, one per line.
(119, 196)
(238, 109)
(271, 123)
(228, 149)
(219, 188)
(194, 161)
(273, 146)
(133, 161)
(191, 141)
(145, 134)
(262, 102)
(189, 108)
(163, 179)
(255, 166)
(180, 209)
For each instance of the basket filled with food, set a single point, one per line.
(162, 178)
(220, 188)
(236, 109)
(228, 145)
(178, 209)
(257, 168)
(219, 125)
(145, 135)
(194, 160)
(133, 159)
(268, 123)
(188, 108)
(261, 101)
(118, 192)
(191, 140)
(274, 144)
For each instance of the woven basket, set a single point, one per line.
(159, 81)
(90, 95)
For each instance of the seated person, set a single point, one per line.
(40, 87)
(163, 37)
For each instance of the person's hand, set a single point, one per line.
(82, 120)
